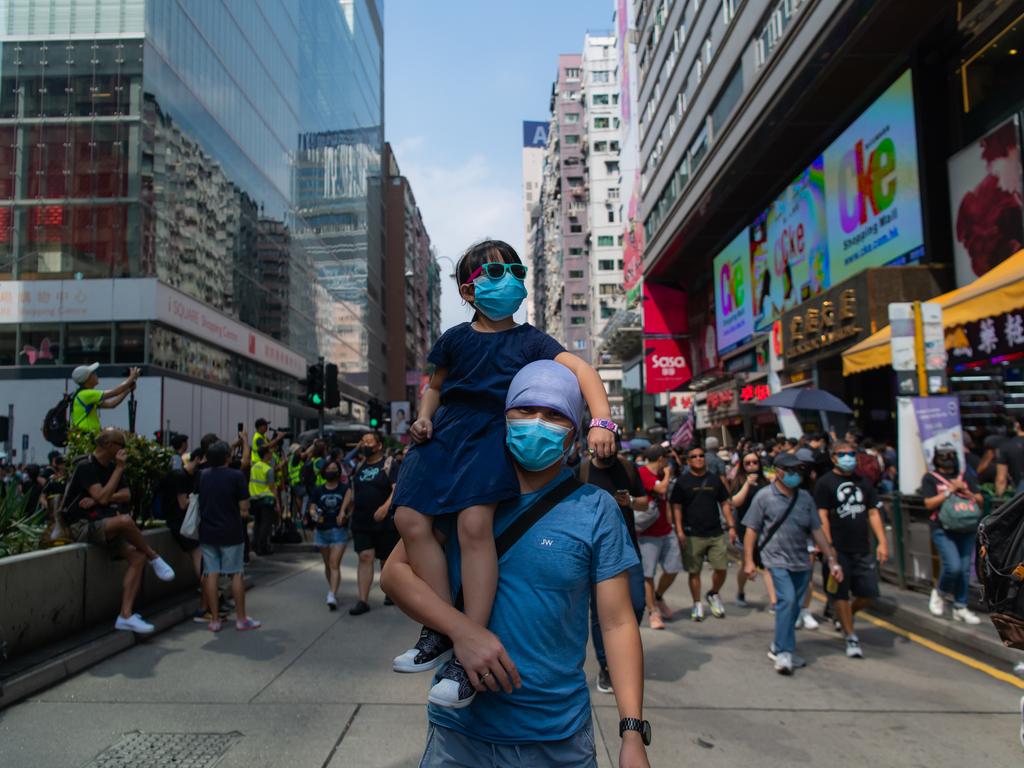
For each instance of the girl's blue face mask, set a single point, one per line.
(535, 443)
(498, 299)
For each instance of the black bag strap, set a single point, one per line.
(778, 523)
(527, 520)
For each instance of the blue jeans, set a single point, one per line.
(955, 551)
(636, 596)
(790, 587)
(446, 747)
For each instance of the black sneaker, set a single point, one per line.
(604, 681)
(359, 608)
(388, 600)
(453, 689)
(432, 650)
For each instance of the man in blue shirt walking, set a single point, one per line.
(528, 663)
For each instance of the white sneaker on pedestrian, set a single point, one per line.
(853, 650)
(715, 604)
(784, 663)
(936, 604)
(163, 571)
(966, 615)
(134, 623)
(697, 612)
(799, 662)
(332, 601)
(806, 620)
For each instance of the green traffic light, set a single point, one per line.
(316, 399)
(374, 423)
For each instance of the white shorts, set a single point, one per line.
(660, 550)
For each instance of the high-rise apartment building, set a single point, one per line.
(413, 291)
(193, 187)
(602, 139)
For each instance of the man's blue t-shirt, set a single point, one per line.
(541, 615)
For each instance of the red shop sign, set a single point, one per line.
(665, 365)
(720, 398)
(752, 393)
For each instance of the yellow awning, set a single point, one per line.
(999, 290)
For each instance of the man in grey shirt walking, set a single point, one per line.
(781, 518)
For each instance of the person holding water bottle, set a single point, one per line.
(459, 464)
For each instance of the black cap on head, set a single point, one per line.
(261, 422)
(788, 461)
(654, 453)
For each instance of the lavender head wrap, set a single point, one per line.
(547, 384)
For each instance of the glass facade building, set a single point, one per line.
(231, 151)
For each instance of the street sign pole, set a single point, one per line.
(323, 393)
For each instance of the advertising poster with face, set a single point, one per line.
(985, 195)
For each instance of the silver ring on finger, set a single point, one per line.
(485, 675)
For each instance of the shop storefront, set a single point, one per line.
(816, 333)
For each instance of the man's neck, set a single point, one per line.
(699, 474)
(841, 473)
(534, 481)
(101, 459)
(374, 458)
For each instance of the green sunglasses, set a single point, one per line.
(496, 270)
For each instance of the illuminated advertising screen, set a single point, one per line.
(856, 206)
(789, 248)
(872, 190)
(734, 318)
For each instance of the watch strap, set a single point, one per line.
(636, 724)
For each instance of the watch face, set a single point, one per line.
(645, 733)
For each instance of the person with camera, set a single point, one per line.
(780, 520)
(93, 503)
(88, 400)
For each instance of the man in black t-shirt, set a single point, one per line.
(695, 500)
(94, 499)
(368, 502)
(848, 507)
(1010, 461)
(620, 478)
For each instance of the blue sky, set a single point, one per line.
(460, 77)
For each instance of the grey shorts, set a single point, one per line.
(660, 550)
(217, 559)
(450, 749)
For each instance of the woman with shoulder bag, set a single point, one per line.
(955, 504)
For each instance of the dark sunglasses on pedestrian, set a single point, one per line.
(695, 456)
(840, 454)
(752, 463)
(496, 270)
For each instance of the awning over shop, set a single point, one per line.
(999, 290)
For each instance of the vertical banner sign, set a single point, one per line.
(938, 423)
(665, 365)
(985, 196)
(904, 352)
(734, 316)
(935, 359)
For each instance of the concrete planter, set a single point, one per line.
(48, 595)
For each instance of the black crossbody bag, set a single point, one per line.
(527, 520)
(758, 546)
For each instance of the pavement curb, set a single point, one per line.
(69, 663)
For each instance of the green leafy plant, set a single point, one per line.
(20, 528)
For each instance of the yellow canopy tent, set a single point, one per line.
(999, 290)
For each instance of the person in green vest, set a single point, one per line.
(263, 499)
(296, 487)
(260, 438)
(86, 404)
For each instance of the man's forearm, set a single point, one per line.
(875, 521)
(749, 540)
(622, 644)
(727, 513)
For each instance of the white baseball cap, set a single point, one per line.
(82, 373)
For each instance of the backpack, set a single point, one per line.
(868, 468)
(958, 514)
(1000, 569)
(55, 422)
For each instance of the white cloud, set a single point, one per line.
(461, 204)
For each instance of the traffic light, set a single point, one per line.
(315, 385)
(376, 412)
(332, 398)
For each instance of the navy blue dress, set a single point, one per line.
(465, 462)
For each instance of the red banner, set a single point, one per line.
(665, 365)
(664, 310)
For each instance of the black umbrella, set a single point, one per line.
(806, 399)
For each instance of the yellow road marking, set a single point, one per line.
(931, 645)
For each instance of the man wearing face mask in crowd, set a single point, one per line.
(848, 507)
(540, 612)
(781, 518)
(368, 501)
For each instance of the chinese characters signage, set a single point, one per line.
(991, 338)
(754, 393)
(822, 323)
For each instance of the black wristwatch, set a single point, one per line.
(635, 724)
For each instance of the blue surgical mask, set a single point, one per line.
(847, 463)
(792, 479)
(536, 444)
(498, 299)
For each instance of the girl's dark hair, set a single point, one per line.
(484, 252)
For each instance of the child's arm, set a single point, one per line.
(601, 441)
(423, 428)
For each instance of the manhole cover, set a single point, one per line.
(164, 750)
